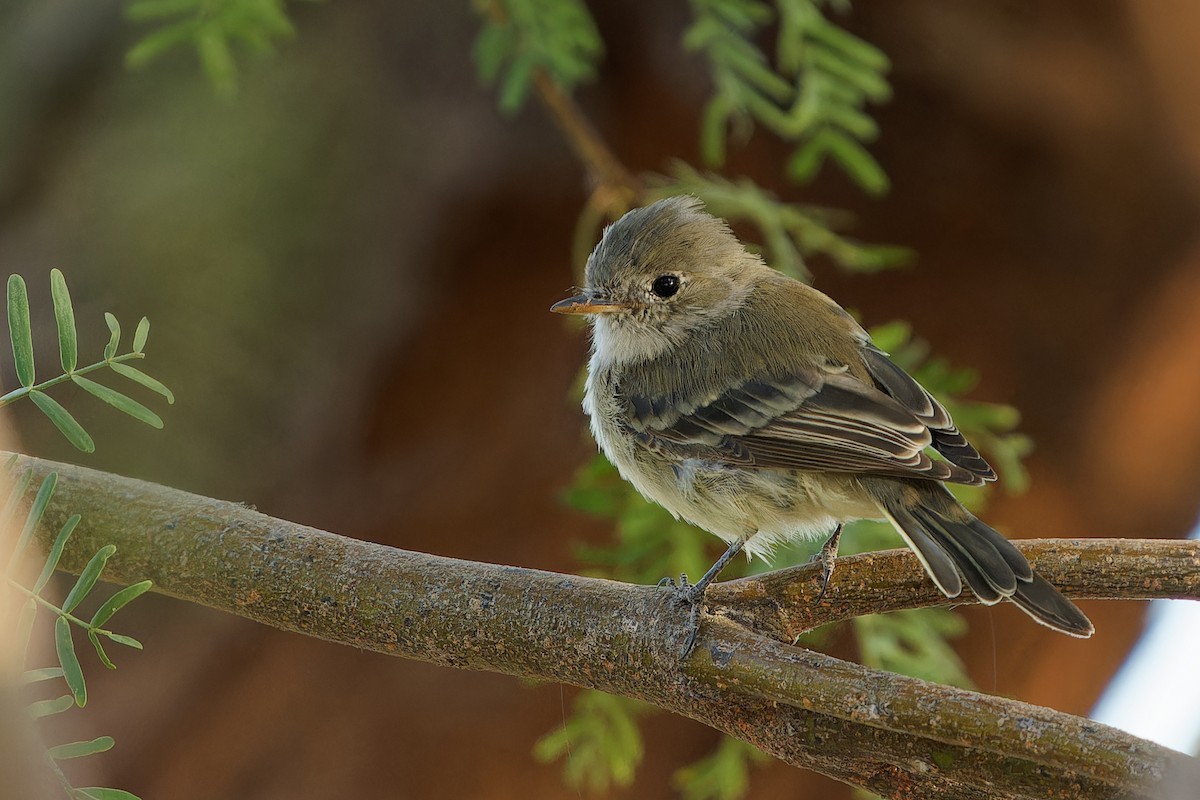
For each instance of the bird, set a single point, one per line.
(755, 407)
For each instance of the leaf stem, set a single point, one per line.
(25, 590)
(17, 394)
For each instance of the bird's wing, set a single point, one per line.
(814, 420)
(947, 439)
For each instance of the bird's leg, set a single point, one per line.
(826, 555)
(693, 593)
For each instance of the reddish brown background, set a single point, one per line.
(348, 270)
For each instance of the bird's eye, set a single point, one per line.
(665, 285)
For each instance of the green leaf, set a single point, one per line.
(141, 10)
(118, 601)
(63, 420)
(140, 335)
(914, 642)
(153, 45)
(88, 577)
(25, 627)
(99, 793)
(18, 329)
(79, 749)
(39, 675)
(56, 552)
(15, 496)
(64, 315)
(72, 671)
(217, 60)
(128, 641)
(95, 640)
(722, 775)
(46, 708)
(809, 156)
(858, 164)
(119, 401)
(600, 742)
(36, 509)
(114, 336)
(136, 375)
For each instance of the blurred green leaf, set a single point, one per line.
(64, 315)
(88, 577)
(600, 742)
(142, 10)
(216, 58)
(118, 601)
(36, 509)
(722, 775)
(19, 331)
(811, 93)
(792, 232)
(98, 793)
(72, 671)
(114, 338)
(158, 42)
(141, 334)
(79, 749)
(55, 554)
(25, 627)
(47, 708)
(94, 638)
(914, 642)
(39, 675)
(128, 641)
(520, 37)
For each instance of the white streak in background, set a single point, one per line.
(1156, 694)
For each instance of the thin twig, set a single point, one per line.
(615, 189)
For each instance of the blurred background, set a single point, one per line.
(348, 268)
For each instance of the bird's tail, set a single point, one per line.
(956, 548)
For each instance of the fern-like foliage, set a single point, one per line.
(21, 336)
(812, 93)
(724, 774)
(791, 232)
(600, 741)
(67, 620)
(210, 27)
(520, 37)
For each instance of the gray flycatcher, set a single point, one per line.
(755, 407)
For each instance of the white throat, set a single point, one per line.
(618, 341)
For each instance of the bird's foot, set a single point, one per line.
(686, 593)
(826, 556)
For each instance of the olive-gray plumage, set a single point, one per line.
(755, 407)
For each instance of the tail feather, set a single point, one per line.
(1040, 600)
(973, 575)
(933, 557)
(956, 548)
(1016, 561)
(975, 550)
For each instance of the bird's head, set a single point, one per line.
(659, 274)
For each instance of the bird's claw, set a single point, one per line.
(685, 593)
(826, 556)
(683, 583)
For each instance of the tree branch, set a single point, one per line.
(615, 189)
(780, 603)
(896, 736)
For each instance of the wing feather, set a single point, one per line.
(814, 420)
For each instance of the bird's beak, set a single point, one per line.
(587, 304)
